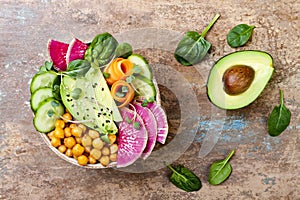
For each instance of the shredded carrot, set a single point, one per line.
(118, 69)
(127, 98)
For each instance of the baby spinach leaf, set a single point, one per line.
(123, 50)
(56, 88)
(220, 170)
(279, 118)
(193, 47)
(239, 35)
(184, 179)
(101, 50)
(78, 68)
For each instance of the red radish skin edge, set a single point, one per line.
(57, 52)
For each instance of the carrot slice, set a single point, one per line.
(118, 69)
(127, 98)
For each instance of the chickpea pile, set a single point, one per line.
(82, 143)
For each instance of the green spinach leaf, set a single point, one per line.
(123, 50)
(239, 35)
(193, 47)
(184, 179)
(101, 50)
(56, 87)
(279, 118)
(220, 170)
(78, 68)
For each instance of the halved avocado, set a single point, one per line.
(238, 78)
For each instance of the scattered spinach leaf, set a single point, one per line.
(101, 50)
(78, 68)
(184, 179)
(193, 47)
(123, 50)
(239, 35)
(220, 170)
(279, 118)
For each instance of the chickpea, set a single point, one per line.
(69, 153)
(59, 123)
(98, 143)
(59, 133)
(69, 142)
(88, 149)
(86, 140)
(104, 160)
(113, 157)
(67, 131)
(76, 132)
(67, 117)
(113, 148)
(55, 142)
(62, 148)
(73, 126)
(92, 160)
(95, 153)
(112, 138)
(83, 127)
(78, 140)
(105, 151)
(93, 134)
(77, 150)
(82, 160)
(50, 135)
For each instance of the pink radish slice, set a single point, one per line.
(57, 51)
(131, 141)
(76, 50)
(162, 123)
(151, 126)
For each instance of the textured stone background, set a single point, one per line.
(263, 167)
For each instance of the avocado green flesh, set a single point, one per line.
(260, 62)
(91, 103)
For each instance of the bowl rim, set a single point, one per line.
(97, 165)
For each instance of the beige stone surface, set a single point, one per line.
(263, 167)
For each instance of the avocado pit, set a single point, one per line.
(237, 79)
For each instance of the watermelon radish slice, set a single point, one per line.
(131, 141)
(162, 123)
(57, 51)
(76, 50)
(151, 126)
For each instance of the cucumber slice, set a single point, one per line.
(38, 96)
(44, 79)
(46, 114)
(141, 62)
(144, 87)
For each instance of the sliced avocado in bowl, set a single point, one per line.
(238, 78)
